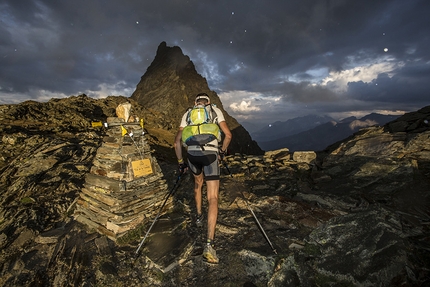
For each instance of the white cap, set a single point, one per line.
(202, 96)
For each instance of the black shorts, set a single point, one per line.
(206, 161)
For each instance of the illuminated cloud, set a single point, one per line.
(338, 81)
(106, 90)
(243, 107)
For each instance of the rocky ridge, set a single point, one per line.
(356, 214)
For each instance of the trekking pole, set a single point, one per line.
(250, 209)
(124, 132)
(100, 124)
(158, 214)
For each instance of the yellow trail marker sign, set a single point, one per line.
(96, 124)
(141, 167)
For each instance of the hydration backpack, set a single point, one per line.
(202, 126)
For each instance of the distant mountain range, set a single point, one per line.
(294, 126)
(314, 132)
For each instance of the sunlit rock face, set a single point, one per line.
(170, 86)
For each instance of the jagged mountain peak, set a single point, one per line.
(173, 57)
(170, 85)
(171, 82)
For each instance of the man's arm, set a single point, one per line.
(178, 145)
(228, 136)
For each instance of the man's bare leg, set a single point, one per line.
(198, 184)
(212, 193)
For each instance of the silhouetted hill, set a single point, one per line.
(321, 136)
(280, 129)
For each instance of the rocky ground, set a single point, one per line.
(358, 215)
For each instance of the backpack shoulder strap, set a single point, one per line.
(213, 117)
(189, 109)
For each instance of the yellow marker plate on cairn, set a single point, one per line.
(96, 124)
(141, 167)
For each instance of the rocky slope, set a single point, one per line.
(170, 86)
(356, 214)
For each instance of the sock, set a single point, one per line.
(210, 242)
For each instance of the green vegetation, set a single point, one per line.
(27, 200)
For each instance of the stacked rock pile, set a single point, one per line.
(125, 186)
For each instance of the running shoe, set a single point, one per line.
(209, 254)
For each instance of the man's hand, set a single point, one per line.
(183, 167)
(221, 154)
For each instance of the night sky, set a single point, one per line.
(267, 60)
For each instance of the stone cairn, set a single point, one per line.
(125, 186)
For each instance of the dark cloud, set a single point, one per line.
(278, 54)
(304, 92)
(409, 84)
